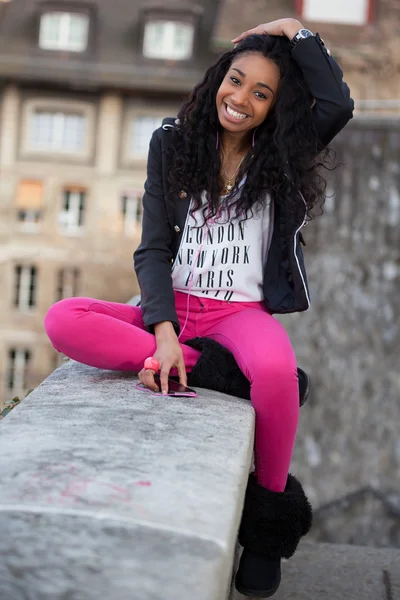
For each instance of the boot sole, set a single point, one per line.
(256, 593)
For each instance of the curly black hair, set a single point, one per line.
(287, 153)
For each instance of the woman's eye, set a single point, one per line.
(261, 95)
(235, 80)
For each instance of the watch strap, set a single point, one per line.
(302, 34)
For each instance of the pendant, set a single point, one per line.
(229, 187)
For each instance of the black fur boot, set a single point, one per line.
(271, 527)
(218, 370)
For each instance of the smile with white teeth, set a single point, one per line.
(234, 114)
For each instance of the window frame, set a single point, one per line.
(29, 151)
(72, 280)
(25, 287)
(131, 226)
(77, 208)
(65, 27)
(30, 223)
(132, 134)
(59, 122)
(133, 110)
(170, 23)
(299, 6)
(26, 355)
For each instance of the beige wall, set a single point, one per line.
(102, 251)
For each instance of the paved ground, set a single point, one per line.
(334, 572)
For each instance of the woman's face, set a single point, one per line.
(247, 92)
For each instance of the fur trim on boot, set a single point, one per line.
(273, 522)
(218, 370)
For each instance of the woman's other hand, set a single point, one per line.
(287, 27)
(169, 354)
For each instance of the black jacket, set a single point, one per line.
(285, 281)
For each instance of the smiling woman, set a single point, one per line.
(230, 184)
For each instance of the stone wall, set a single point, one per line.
(349, 340)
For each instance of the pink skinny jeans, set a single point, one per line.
(109, 335)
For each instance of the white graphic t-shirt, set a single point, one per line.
(224, 259)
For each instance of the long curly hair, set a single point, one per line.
(287, 152)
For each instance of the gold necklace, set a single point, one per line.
(228, 183)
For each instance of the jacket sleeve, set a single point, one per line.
(153, 257)
(333, 105)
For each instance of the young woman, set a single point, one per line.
(230, 184)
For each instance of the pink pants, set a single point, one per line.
(108, 335)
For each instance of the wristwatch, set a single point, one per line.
(300, 35)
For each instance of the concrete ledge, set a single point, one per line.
(108, 492)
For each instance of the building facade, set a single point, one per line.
(83, 86)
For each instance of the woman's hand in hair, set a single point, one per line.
(169, 354)
(287, 27)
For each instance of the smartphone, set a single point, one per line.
(174, 389)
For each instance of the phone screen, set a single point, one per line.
(175, 388)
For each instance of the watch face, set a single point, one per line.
(305, 33)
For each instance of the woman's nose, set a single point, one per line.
(240, 98)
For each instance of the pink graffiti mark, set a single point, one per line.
(119, 489)
(32, 489)
(82, 490)
(94, 491)
(74, 489)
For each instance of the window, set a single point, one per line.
(131, 209)
(356, 12)
(29, 203)
(57, 131)
(73, 207)
(142, 129)
(168, 40)
(25, 287)
(18, 364)
(67, 286)
(64, 31)
(57, 127)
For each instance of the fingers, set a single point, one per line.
(168, 358)
(146, 376)
(164, 379)
(253, 31)
(182, 372)
(240, 37)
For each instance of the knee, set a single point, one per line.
(277, 369)
(275, 387)
(59, 318)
